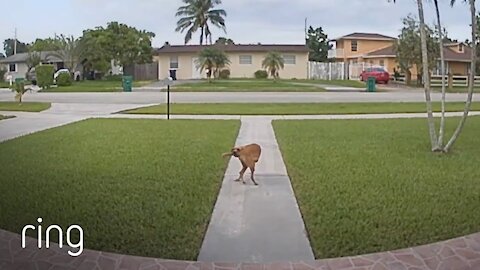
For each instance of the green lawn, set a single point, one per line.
(4, 85)
(141, 187)
(373, 185)
(237, 85)
(95, 86)
(24, 106)
(294, 108)
(346, 83)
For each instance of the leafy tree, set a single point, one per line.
(212, 59)
(2, 55)
(408, 50)
(48, 44)
(197, 14)
(224, 41)
(317, 42)
(8, 46)
(273, 62)
(119, 42)
(96, 45)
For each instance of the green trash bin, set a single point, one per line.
(127, 82)
(19, 80)
(371, 84)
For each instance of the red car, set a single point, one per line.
(380, 74)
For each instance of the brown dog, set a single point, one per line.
(248, 156)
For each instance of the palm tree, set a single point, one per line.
(273, 62)
(71, 52)
(221, 60)
(442, 66)
(473, 64)
(212, 60)
(426, 78)
(196, 14)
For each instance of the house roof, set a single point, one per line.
(233, 48)
(449, 54)
(372, 36)
(387, 51)
(46, 56)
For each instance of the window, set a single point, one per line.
(289, 59)
(12, 68)
(382, 63)
(245, 59)
(174, 62)
(354, 45)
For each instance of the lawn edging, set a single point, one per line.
(457, 253)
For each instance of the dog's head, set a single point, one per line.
(236, 151)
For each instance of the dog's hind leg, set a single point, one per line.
(252, 171)
(241, 173)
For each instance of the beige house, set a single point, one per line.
(245, 60)
(378, 50)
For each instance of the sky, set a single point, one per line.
(248, 21)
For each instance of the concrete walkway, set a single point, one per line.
(258, 224)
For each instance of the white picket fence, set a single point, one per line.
(326, 71)
(459, 81)
(336, 70)
(354, 70)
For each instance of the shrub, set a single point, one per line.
(44, 75)
(2, 74)
(261, 74)
(113, 78)
(64, 79)
(224, 74)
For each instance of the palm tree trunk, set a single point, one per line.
(201, 35)
(468, 103)
(426, 78)
(442, 66)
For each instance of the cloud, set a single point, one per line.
(248, 21)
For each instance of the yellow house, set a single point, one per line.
(369, 49)
(245, 60)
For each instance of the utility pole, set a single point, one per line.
(15, 42)
(305, 29)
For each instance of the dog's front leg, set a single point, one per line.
(242, 172)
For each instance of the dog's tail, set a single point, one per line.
(227, 154)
